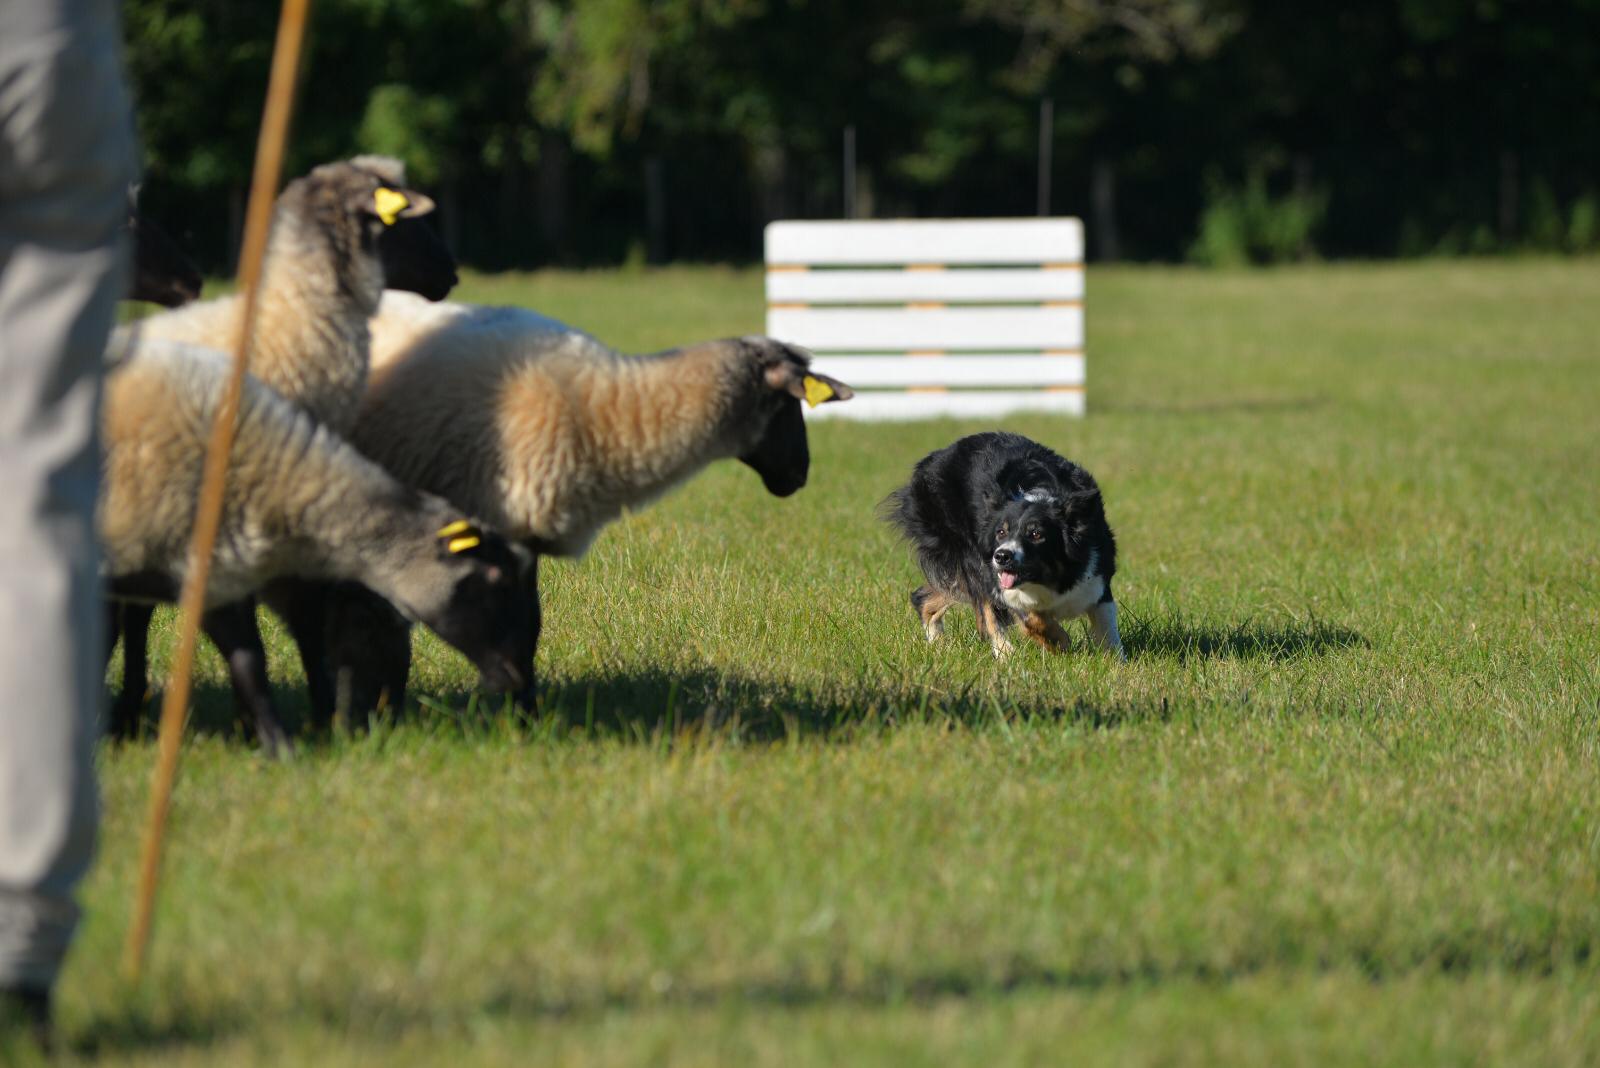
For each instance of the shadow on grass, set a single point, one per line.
(365, 1014)
(650, 705)
(1247, 640)
(212, 712)
(133, 1028)
(657, 706)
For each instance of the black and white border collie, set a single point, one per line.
(1006, 525)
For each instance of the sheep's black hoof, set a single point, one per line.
(275, 742)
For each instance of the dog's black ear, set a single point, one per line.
(996, 496)
(1079, 506)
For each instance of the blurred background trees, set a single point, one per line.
(602, 131)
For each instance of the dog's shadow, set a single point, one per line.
(1247, 640)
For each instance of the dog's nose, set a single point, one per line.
(1004, 557)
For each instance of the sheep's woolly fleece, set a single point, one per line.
(321, 281)
(541, 429)
(299, 500)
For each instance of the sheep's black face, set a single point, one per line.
(416, 260)
(781, 456)
(493, 614)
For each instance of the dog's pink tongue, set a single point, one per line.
(1008, 579)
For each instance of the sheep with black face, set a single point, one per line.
(299, 502)
(340, 235)
(549, 434)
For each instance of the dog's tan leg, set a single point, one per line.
(989, 626)
(1046, 631)
(1103, 628)
(931, 605)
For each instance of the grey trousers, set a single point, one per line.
(66, 157)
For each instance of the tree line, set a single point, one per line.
(603, 131)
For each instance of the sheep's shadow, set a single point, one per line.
(646, 703)
(212, 710)
(365, 1014)
(1246, 640)
(656, 706)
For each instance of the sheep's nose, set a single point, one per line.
(1004, 557)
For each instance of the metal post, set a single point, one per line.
(1047, 129)
(849, 172)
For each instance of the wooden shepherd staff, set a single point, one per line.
(175, 703)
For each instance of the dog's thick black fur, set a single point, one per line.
(1006, 525)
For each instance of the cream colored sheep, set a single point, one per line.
(550, 434)
(340, 234)
(300, 502)
(322, 279)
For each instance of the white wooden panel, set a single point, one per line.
(899, 241)
(873, 287)
(865, 372)
(928, 328)
(968, 404)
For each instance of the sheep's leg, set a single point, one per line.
(113, 629)
(367, 652)
(232, 628)
(1046, 631)
(132, 619)
(530, 691)
(303, 607)
(931, 605)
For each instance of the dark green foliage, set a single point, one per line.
(560, 131)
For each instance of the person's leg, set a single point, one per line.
(66, 157)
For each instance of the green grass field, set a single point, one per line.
(1339, 806)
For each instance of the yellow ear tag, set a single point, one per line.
(454, 528)
(389, 204)
(817, 390)
(462, 544)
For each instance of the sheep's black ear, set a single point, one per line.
(389, 203)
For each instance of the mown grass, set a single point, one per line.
(1339, 805)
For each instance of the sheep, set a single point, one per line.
(300, 502)
(321, 281)
(552, 434)
(549, 434)
(340, 234)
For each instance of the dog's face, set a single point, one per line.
(1041, 550)
(1030, 547)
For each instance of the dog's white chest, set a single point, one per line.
(1057, 604)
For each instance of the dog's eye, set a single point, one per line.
(1035, 535)
(1000, 534)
